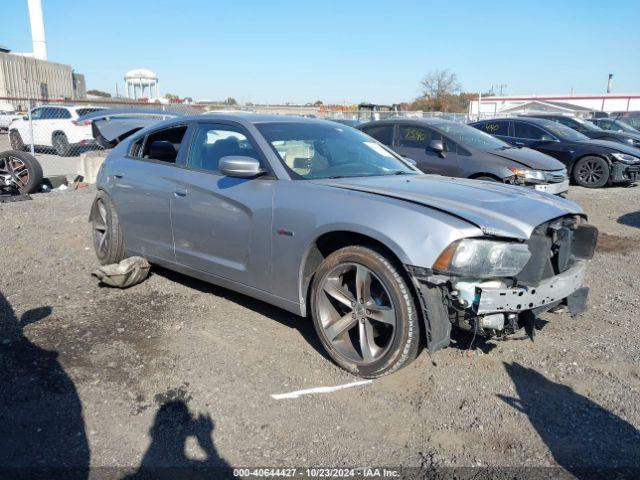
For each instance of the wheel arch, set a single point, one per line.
(55, 133)
(485, 174)
(332, 240)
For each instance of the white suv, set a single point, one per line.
(54, 126)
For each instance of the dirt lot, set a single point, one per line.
(178, 372)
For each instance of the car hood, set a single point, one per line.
(529, 158)
(496, 208)
(617, 146)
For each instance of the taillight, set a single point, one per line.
(82, 123)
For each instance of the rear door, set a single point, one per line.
(414, 142)
(222, 225)
(142, 184)
(501, 129)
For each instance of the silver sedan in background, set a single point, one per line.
(324, 221)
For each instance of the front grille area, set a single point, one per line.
(555, 246)
(556, 177)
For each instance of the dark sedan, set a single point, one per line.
(594, 131)
(613, 125)
(592, 163)
(458, 150)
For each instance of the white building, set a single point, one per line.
(141, 83)
(576, 104)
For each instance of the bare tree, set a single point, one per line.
(439, 83)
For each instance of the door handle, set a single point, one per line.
(180, 193)
(118, 175)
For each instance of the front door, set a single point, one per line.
(222, 225)
(414, 142)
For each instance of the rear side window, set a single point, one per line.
(84, 111)
(382, 133)
(530, 132)
(164, 145)
(498, 127)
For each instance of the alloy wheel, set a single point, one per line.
(357, 314)
(100, 230)
(15, 171)
(591, 172)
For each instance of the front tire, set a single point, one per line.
(591, 172)
(364, 313)
(108, 241)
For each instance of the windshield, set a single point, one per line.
(587, 125)
(617, 125)
(470, 137)
(315, 150)
(565, 133)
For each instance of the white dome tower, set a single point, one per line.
(141, 83)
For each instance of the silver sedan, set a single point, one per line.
(323, 221)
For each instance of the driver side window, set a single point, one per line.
(213, 142)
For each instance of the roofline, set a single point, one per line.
(562, 97)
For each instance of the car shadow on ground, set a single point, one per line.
(584, 438)
(42, 430)
(166, 458)
(631, 219)
(303, 325)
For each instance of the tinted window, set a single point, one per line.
(48, 114)
(60, 113)
(530, 132)
(84, 111)
(497, 127)
(382, 133)
(419, 137)
(212, 142)
(164, 144)
(317, 150)
(36, 113)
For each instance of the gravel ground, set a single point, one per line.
(178, 372)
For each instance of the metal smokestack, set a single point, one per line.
(609, 82)
(37, 29)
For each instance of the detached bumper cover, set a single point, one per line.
(549, 291)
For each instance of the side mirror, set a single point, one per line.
(240, 167)
(436, 146)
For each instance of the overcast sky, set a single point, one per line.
(339, 51)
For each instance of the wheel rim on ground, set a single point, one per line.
(100, 230)
(357, 315)
(16, 170)
(591, 172)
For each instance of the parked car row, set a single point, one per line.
(324, 221)
(591, 163)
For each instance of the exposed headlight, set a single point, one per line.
(625, 158)
(528, 174)
(481, 258)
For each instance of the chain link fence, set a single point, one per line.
(56, 127)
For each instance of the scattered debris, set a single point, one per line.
(125, 274)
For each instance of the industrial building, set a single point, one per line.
(569, 104)
(25, 76)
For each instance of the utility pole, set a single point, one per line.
(609, 82)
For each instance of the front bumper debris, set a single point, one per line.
(549, 291)
(621, 172)
(553, 188)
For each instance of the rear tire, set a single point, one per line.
(368, 324)
(591, 172)
(61, 144)
(16, 140)
(25, 170)
(108, 241)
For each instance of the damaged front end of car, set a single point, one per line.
(495, 286)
